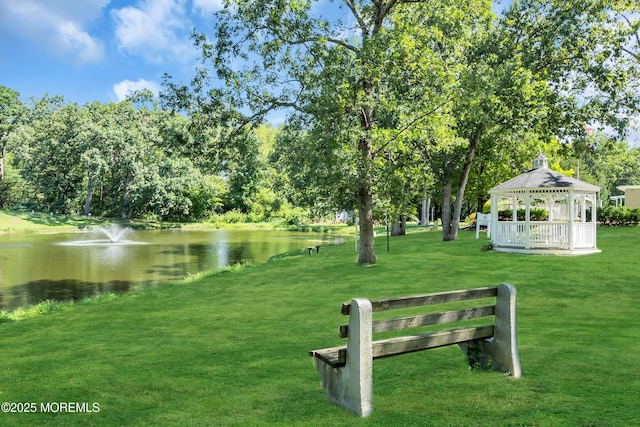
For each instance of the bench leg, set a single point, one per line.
(503, 347)
(351, 385)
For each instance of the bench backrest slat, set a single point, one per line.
(426, 319)
(433, 319)
(427, 299)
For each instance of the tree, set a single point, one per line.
(354, 92)
(48, 147)
(125, 155)
(10, 107)
(603, 161)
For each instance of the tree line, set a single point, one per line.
(130, 159)
(387, 102)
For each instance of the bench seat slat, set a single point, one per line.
(336, 357)
(412, 343)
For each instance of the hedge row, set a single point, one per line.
(534, 215)
(612, 215)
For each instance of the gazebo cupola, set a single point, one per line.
(543, 211)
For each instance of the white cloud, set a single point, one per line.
(123, 88)
(207, 7)
(157, 30)
(58, 26)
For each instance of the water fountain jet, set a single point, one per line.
(115, 236)
(114, 232)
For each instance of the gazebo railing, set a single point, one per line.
(544, 234)
(584, 235)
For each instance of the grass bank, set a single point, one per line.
(231, 348)
(26, 222)
(37, 222)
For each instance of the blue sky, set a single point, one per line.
(97, 50)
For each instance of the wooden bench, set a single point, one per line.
(311, 248)
(346, 371)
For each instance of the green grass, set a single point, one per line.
(26, 222)
(231, 348)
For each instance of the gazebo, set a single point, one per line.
(545, 212)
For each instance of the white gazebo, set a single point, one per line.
(554, 213)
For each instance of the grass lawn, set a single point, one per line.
(40, 222)
(231, 348)
(26, 222)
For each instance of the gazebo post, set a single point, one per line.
(570, 215)
(494, 214)
(527, 220)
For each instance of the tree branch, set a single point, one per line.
(329, 39)
(410, 124)
(356, 13)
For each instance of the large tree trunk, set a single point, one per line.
(2, 152)
(125, 199)
(446, 212)
(399, 228)
(367, 254)
(451, 231)
(426, 205)
(87, 201)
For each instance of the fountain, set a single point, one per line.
(114, 232)
(115, 235)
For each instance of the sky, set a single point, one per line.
(97, 50)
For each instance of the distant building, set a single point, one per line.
(631, 195)
(342, 216)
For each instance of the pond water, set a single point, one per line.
(37, 267)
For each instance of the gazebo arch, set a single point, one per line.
(549, 213)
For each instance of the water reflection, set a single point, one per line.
(62, 290)
(39, 267)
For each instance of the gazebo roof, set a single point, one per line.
(541, 177)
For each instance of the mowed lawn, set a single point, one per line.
(232, 348)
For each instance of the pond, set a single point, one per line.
(37, 267)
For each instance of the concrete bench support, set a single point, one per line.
(350, 386)
(502, 349)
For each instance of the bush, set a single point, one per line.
(618, 215)
(233, 217)
(534, 214)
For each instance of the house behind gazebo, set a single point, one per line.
(546, 212)
(631, 195)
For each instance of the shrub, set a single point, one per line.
(233, 217)
(618, 215)
(535, 214)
